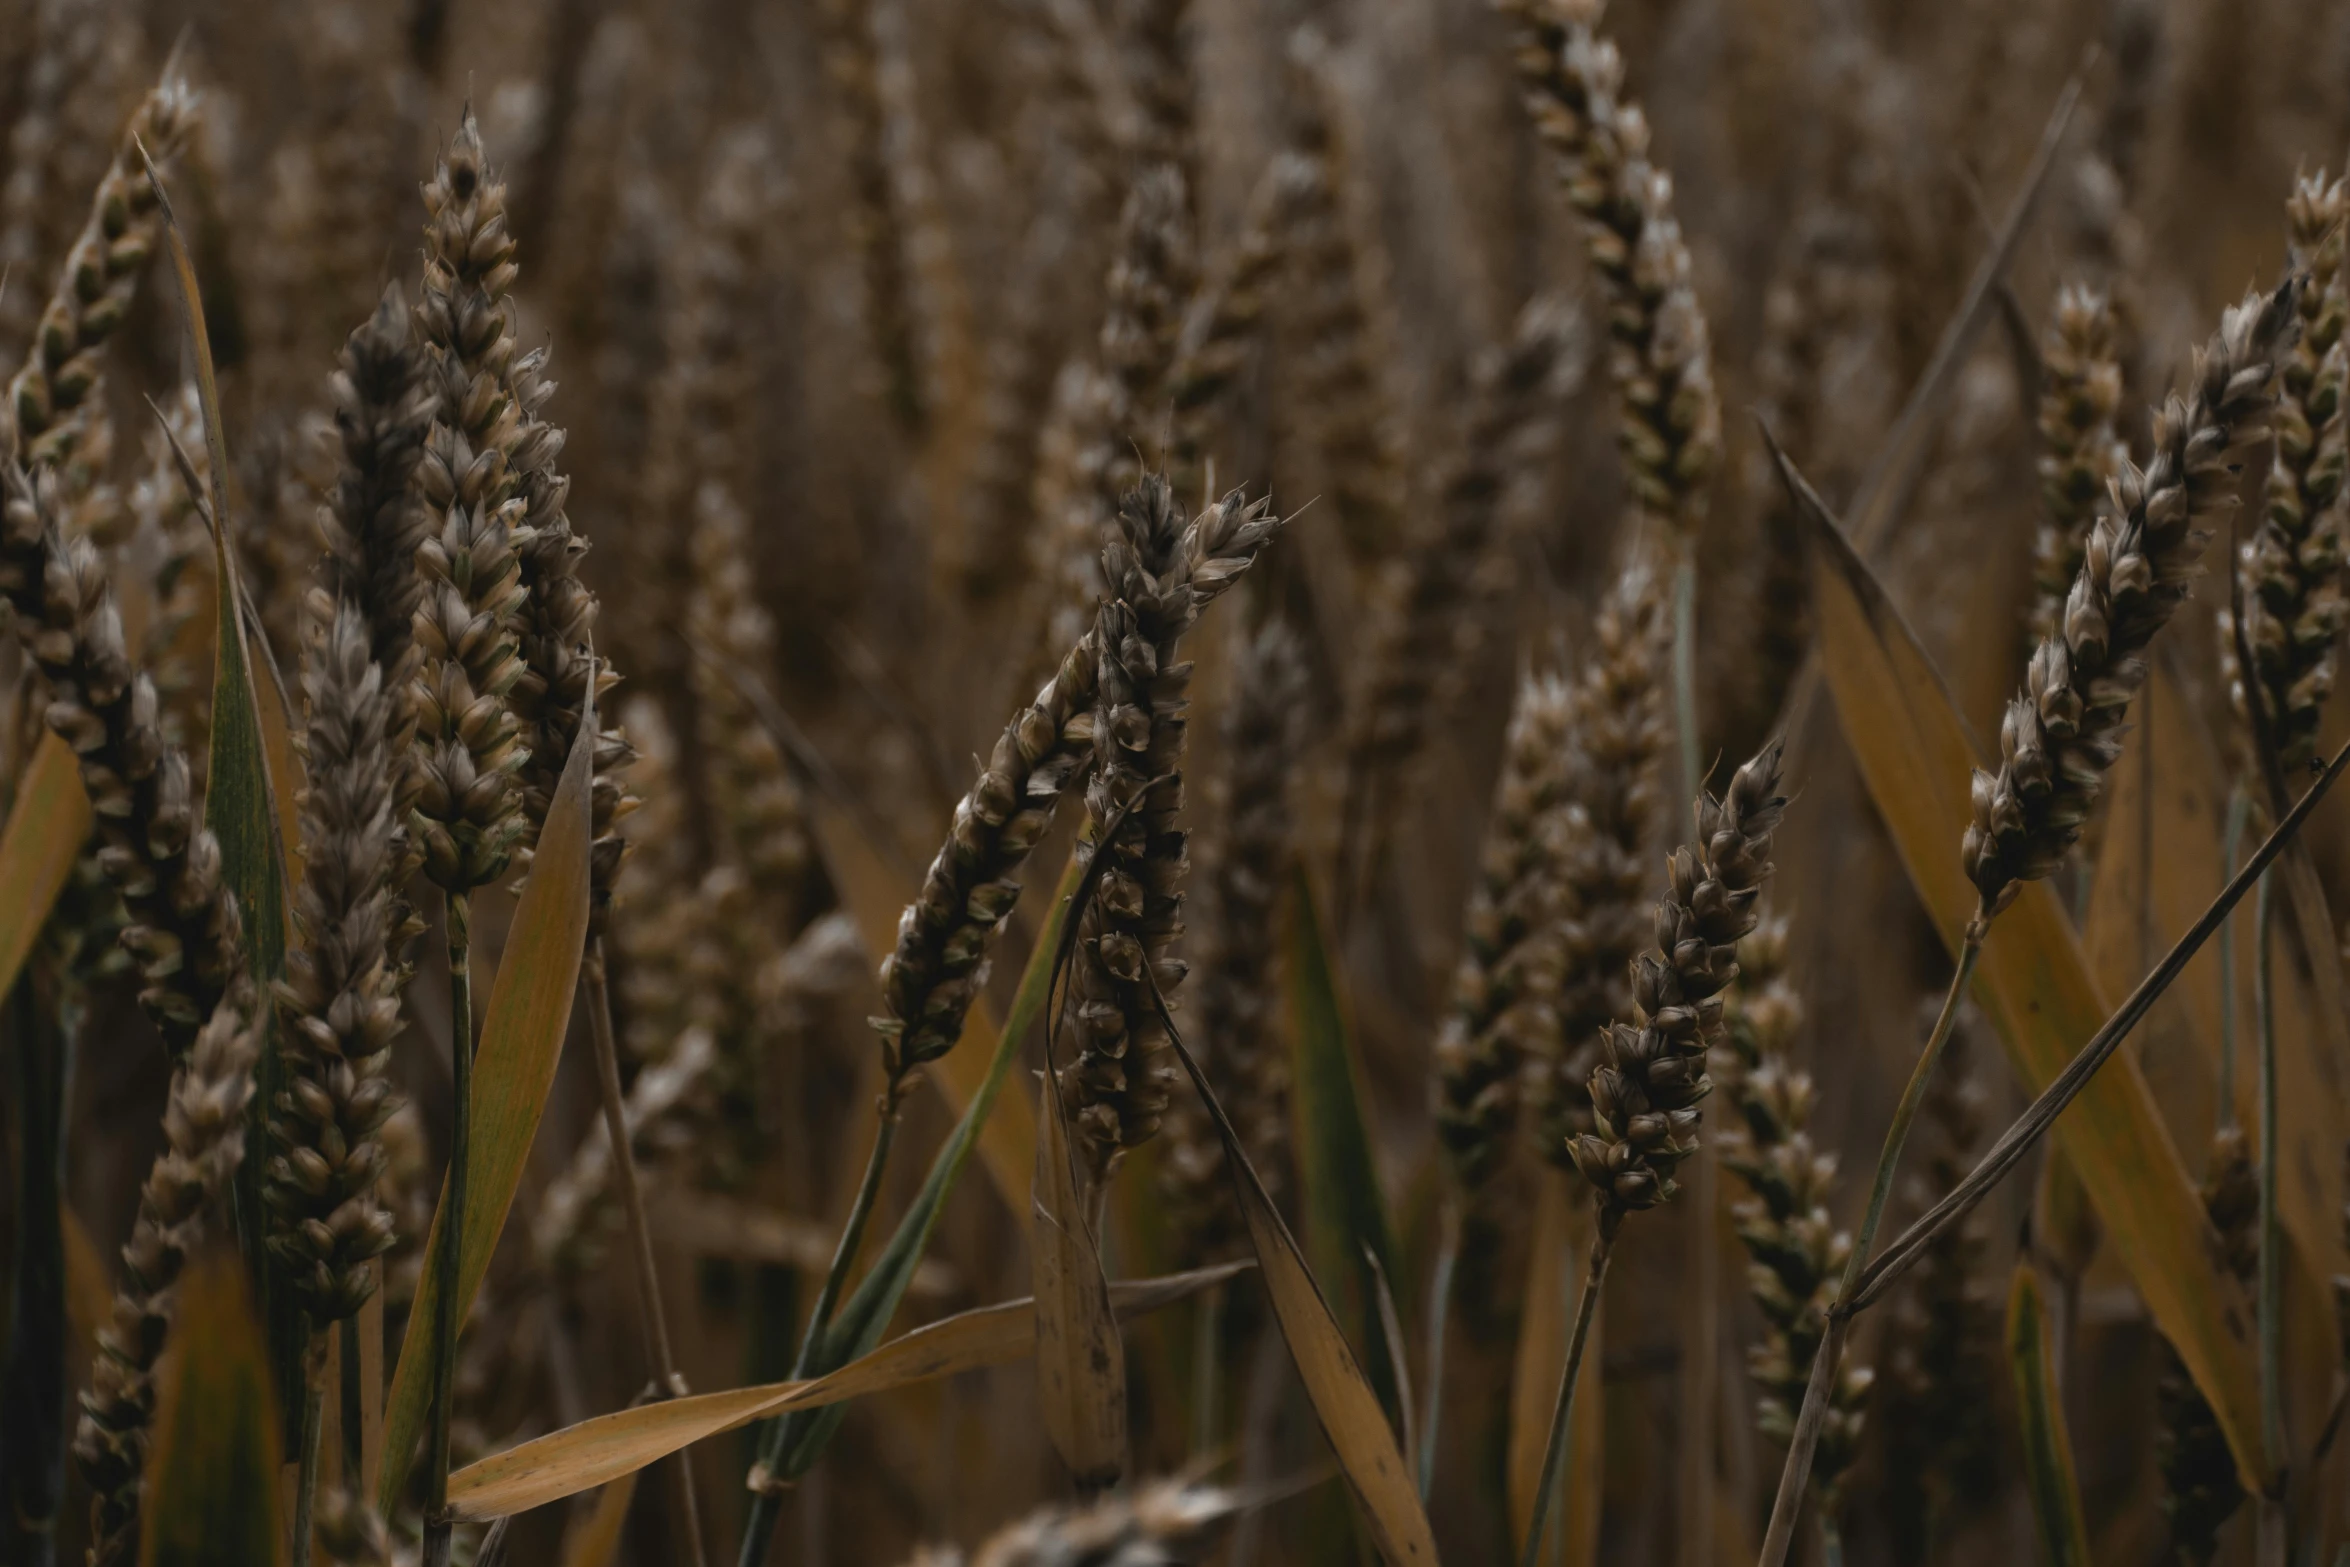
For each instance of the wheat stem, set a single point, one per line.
(1554, 1450)
(1824, 1361)
(2270, 1298)
(2232, 845)
(765, 1480)
(658, 1354)
(448, 1265)
(313, 1422)
(1448, 1257)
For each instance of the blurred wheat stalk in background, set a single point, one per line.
(1089, 701)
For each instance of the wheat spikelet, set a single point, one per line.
(1152, 280)
(1240, 1047)
(875, 228)
(1158, 44)
(2291, 568)
(1797, 1254)
(1612, 812)
(2062, 732)
(1161, 574)
(184, 932)
(339, 1003)
(49, 401)
(1645, 1092)
(1504, 1015)
(1660, 357)
(204, 1142)
(1166, 1523)
(2080, 392)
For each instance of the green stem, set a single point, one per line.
(2271, 1296)
(313, 1423)
(765, 1482)
(448, 1263)
(1912, 1096)
(1792, 1478)
(1831, 1543)
(2232, 848)
(1554, 1451)
(1448, 1257)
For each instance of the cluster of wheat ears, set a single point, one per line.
(510, 988)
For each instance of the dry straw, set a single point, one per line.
(204, 1142)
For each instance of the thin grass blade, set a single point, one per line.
(2047, 1448)
(1080, 1362)
(1346, 1215)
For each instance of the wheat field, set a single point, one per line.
(1097, 783)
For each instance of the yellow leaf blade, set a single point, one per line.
(211, 1493)
(47, 827)
(513, 1069)
(1916, 755)
(598, 1451)
(1080, 1363)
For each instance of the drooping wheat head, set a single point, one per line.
(2080, 453)
(204, 1142)
(1796, 1252)
(1161, 574)
(1660, 357)
(184, 932)
(2062, 732)
(1652, 1078)
(1239, 1040)
(339, 1004)
(2294, 607)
